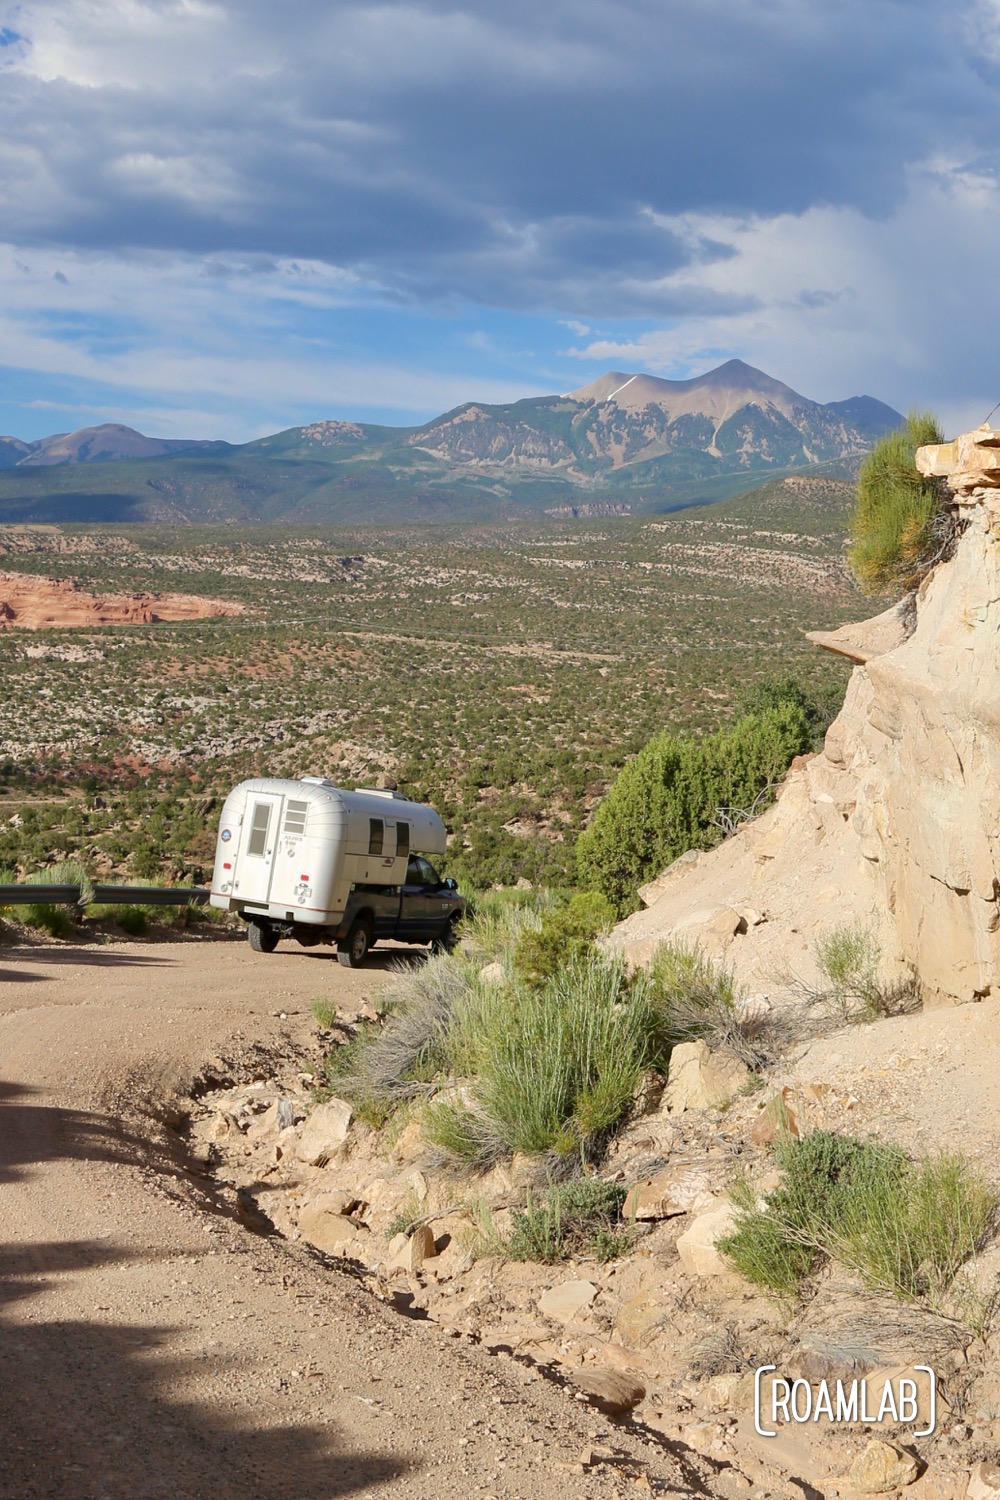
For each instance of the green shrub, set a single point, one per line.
(554, 1068)
(566, 935)
(57, 921)
(132, 919)
(383, 1065)
(820, 705)
(496, 920)
(694, 999)
(905, 1228)
(896, 522)
(848, 957)
(670, 797)
(573, 1219)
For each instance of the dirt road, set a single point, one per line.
(152, 1348)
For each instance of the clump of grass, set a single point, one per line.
(849, 958)
(574, 1220)
(383, 1065)
(906, 1228)
(133, 920)
(697, 999)
(406, 1216)
(324, 1012)
(68, 872)
(555, 1068)
(57, 921)
(495, 921)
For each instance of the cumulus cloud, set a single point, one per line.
(528, 145)
(744, 174)
(840, 296)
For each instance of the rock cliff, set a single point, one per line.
(896, 824)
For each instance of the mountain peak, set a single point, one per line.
(717, 394)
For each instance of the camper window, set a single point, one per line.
(374, 835)
(402, 840)
(295, 817)
(258, 828)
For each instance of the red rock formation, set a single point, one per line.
(29, 602)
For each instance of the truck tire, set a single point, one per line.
(262, 939)
(447, 941)
(353, 949)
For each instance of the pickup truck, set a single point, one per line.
(425, 909)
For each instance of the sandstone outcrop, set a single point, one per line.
(28, 602)
(895, 826)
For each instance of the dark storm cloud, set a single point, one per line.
(513, 156)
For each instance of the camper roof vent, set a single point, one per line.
(381, 791)
(317, 780)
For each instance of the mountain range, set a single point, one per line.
(625, 442)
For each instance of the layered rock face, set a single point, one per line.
(29, 602)
(896, 824)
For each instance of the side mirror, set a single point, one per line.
(451, 884)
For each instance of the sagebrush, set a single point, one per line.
(905, 1227)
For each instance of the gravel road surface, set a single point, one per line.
(152, 1348)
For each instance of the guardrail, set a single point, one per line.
(107, 895)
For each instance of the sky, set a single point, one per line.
(221, 218)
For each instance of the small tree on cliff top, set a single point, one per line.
(896, 527)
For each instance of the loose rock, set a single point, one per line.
(880, 1467)
(700, 1078)
(567, 1301)
(697, 1245)
(614, 1392)
(325, 1132)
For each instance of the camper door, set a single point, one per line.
(258, 842)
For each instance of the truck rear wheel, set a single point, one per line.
(262, 939)
(353, 949)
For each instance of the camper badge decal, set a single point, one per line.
(302, 892)
(225, 835)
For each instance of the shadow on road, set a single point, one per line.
(82, 957)
(381, 960)
(91, 1409)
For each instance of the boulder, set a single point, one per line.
(410, 1144)
(705, 1437)
(699, 1078)
(697, 1245)
(336, 1202)
(881, 1467)
(675, 1190)
(407, 1252)
(721, 1392)
(324, 1132)
(493, 973)
(898, 812)
(566, 1301)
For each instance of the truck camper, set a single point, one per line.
(309, 861)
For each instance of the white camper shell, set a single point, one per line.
(308, 860)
